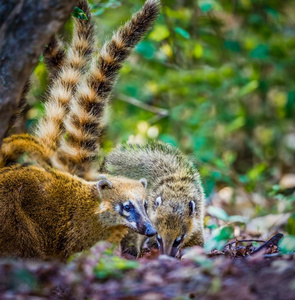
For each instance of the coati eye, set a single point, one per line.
(158, 201)
(192, 208)
(177, 241)
(145, 205)
(127, 207)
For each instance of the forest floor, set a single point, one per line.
(100, 274)
(253, 261)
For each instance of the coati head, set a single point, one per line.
(176, 211)
(123, 203)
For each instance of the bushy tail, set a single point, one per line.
(84, 122)
(54, 57)
(50, 128)
(15, 146)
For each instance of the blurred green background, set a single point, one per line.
(214, 78)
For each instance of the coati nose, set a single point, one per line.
(150, 230)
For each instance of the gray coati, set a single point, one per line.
(175, 201)
(51, 214)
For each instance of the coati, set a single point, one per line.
(44, 145)
(49, 214)
(175, 202)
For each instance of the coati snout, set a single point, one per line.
(175, 228)
(130, 208)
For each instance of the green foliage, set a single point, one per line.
(113, 267)
(221, 214)
(220, 236)
(287, 244)
(79, 13)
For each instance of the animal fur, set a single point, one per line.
(54, 56)
(178, 215)
(50, 214)
(50, 128)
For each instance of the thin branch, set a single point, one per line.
(156, 110)
(244, 241)
(273, 241)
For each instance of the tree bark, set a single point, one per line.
(25, 28)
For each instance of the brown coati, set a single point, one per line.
(63, 89)
(175, 202)
(49, 214)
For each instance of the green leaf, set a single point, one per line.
(261, 51)
(235, 124)
(198, 50)
(225, 233)
(218, 213)
(182, 32)
(146, 49)
(219, 238)
(238, 219)
(159, 33)
(205, 6)
(232, 45)
(168, 139)
(287, 244)
(248, 88)
(79, 13)
(290, 227)
(99, 11)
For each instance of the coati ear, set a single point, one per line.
(143, 181)
(103, 183)
(192, 208)
(158, 202)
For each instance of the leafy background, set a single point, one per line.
(217, 80)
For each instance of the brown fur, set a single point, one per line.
(17, 145)
(49, 214)
(54, 56)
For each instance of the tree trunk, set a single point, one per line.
(25, 28)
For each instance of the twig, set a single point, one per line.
(273, 241)
(156, 110)
(244, 241)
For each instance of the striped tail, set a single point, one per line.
(50, 127)
(84, 122)
(15, 146)
(54, 57)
